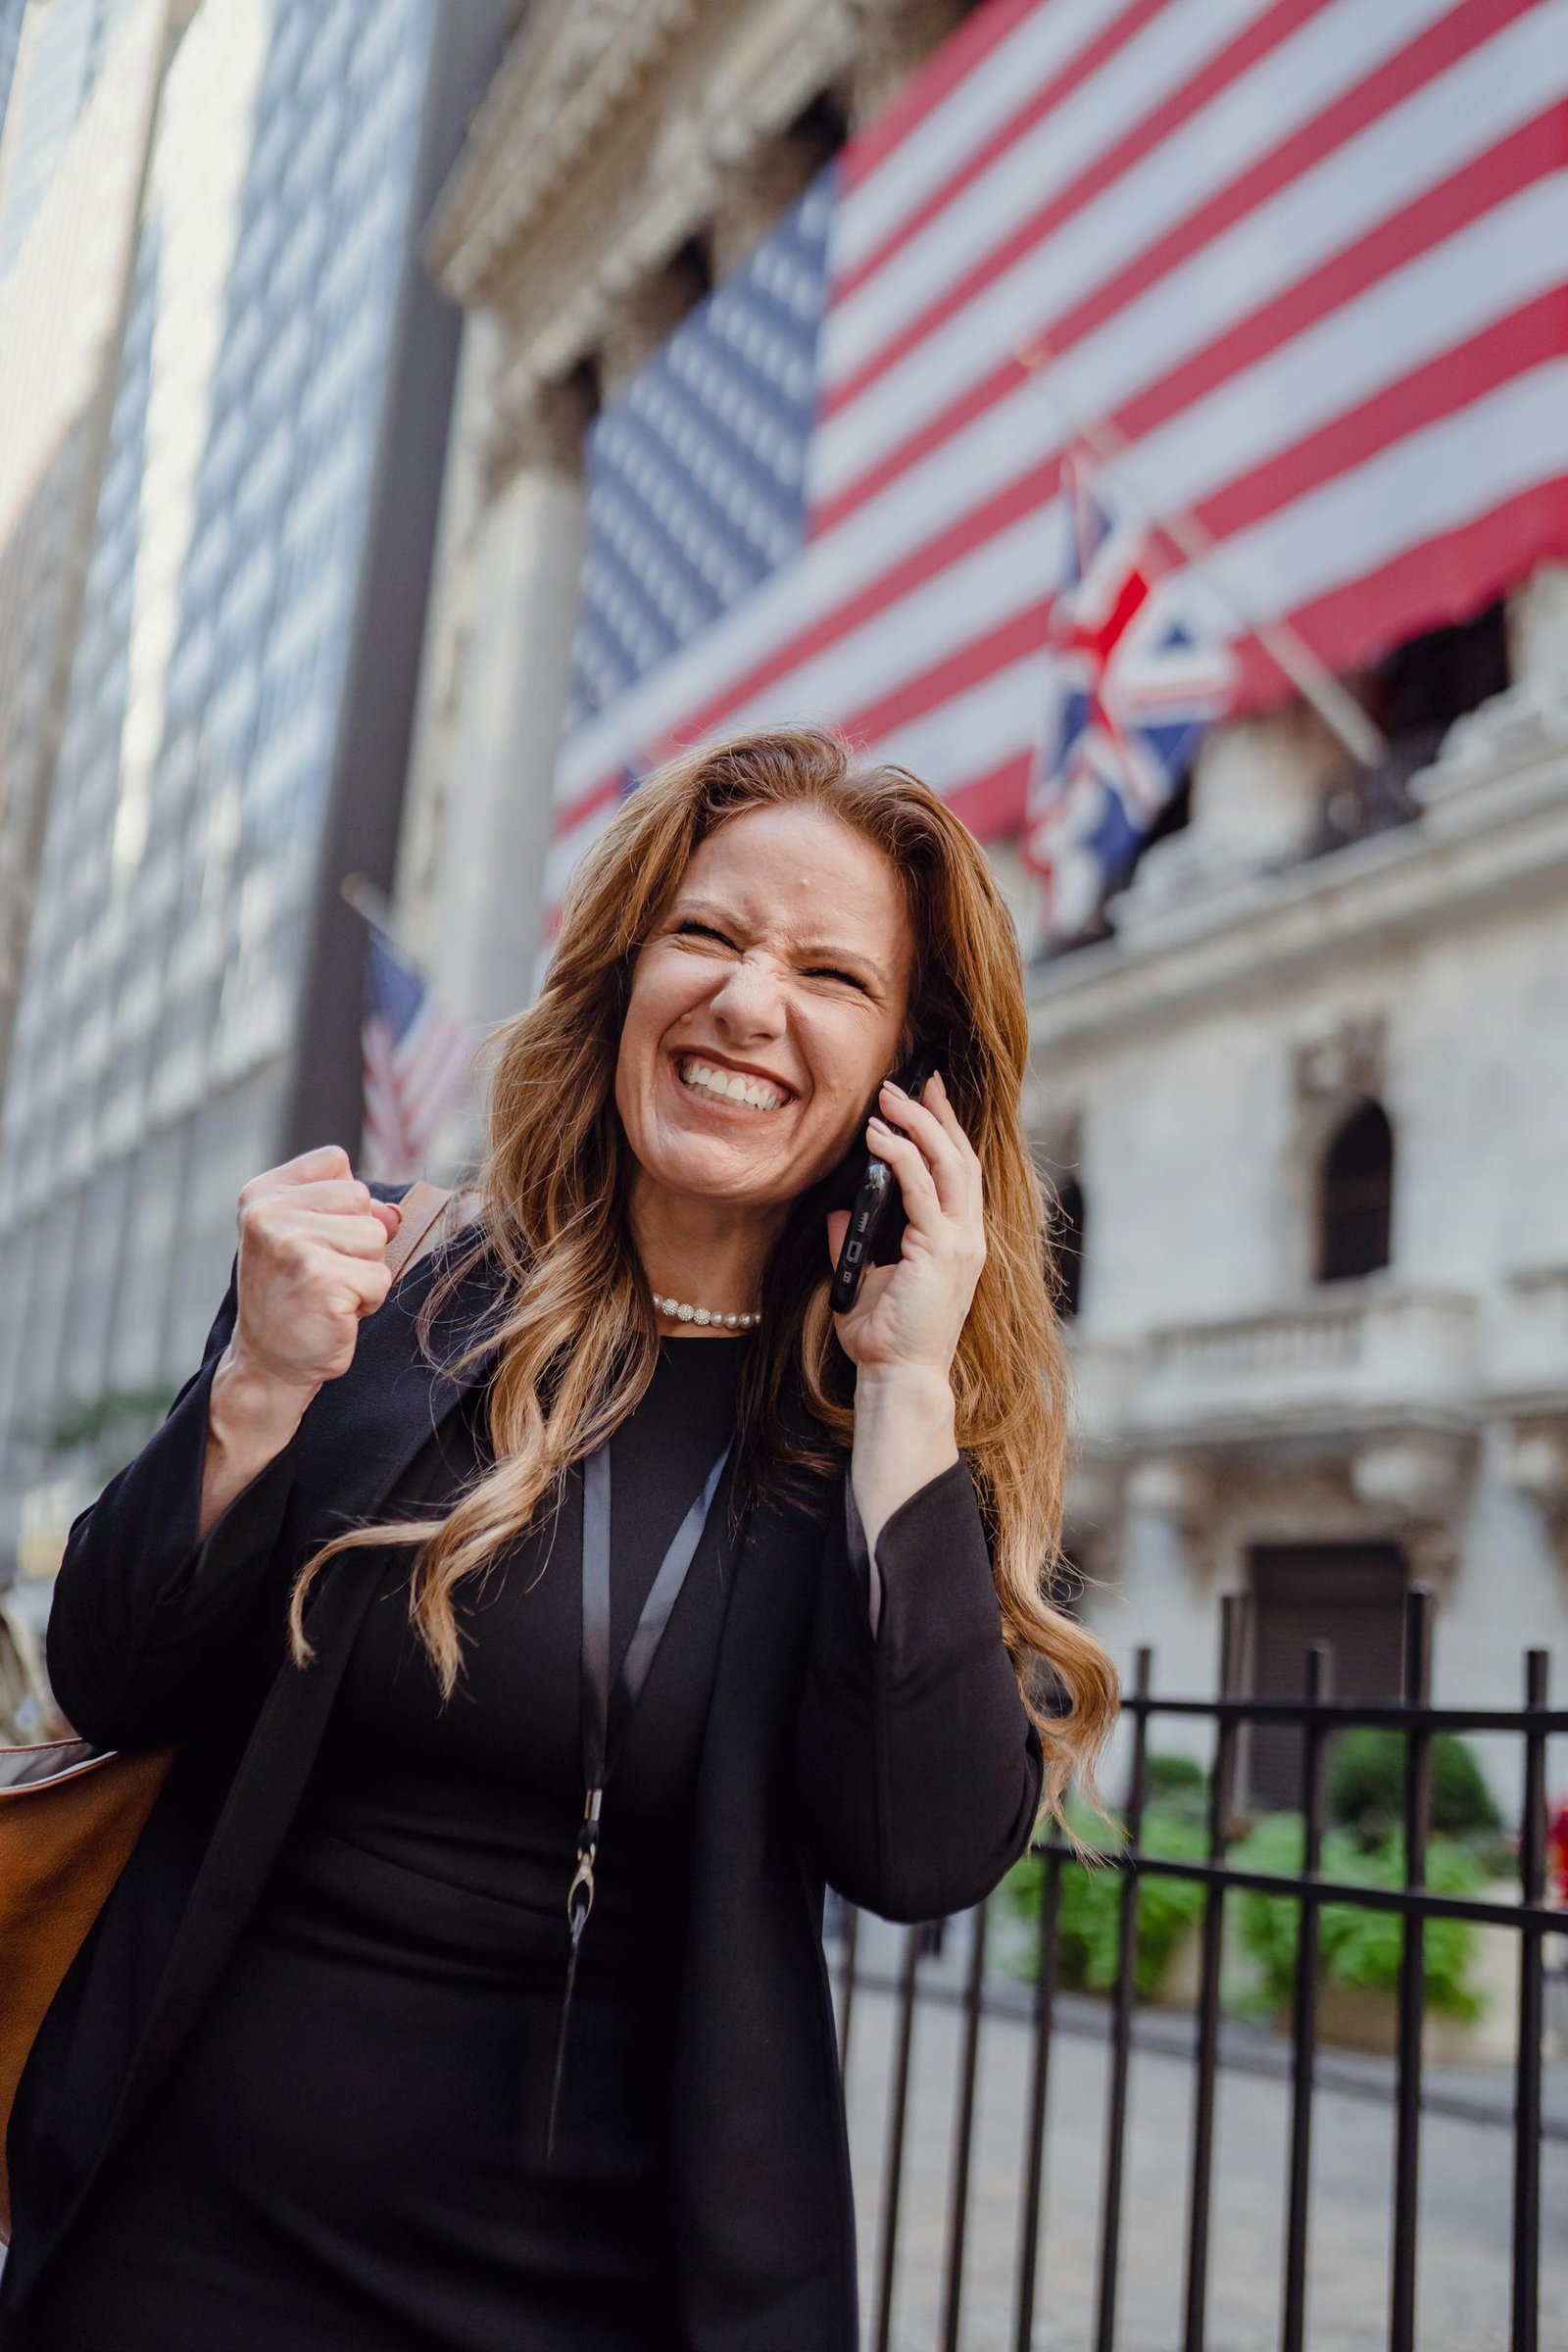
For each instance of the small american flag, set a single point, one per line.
(418, 1063)
(1132, 690)
(1308, 261)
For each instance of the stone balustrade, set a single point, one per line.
(1350, 1358)
(1529, 1355)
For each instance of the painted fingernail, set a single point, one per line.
(891, 1086)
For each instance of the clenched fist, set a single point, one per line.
(312, 1264)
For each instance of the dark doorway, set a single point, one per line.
(1350, 1596)
(1356, 1205)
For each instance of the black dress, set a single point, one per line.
(349, 2151)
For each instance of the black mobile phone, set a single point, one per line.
(877, 1220)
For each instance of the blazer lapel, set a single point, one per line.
(753, 2211)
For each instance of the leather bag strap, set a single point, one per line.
(421, 1205)
(421, 1228)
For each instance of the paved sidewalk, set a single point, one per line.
(1465, 2222)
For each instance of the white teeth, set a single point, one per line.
(705, 1078)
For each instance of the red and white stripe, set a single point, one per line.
(1308, 257)
(411, 1084)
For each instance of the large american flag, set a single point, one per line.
(418, 1063)
(1306, 261)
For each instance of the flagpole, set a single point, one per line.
(1308, 673)
(374, 907)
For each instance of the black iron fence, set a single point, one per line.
(1314, 1718)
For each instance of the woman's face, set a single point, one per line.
(767, 1007)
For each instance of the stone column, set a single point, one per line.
(1163, 1590)
(1538, 628)
(498, 669)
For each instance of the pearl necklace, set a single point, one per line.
(682, 1313)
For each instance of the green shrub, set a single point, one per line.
(1089, 1920)
(1366, 1785)
(1356, 1945)
(1177, 1782)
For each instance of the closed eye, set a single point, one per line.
(820, 972)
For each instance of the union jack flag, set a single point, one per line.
(418, 1063)
(1305, 261)
(1133, 691)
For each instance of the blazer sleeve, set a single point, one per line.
(144, 1611)
(916, 1763)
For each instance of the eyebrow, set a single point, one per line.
(817, 949)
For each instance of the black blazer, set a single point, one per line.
(900, 1768)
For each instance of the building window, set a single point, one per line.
(1064, 1263)
(1356, 1195)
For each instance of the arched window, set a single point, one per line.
(1066, 1262)
(1356, 1195)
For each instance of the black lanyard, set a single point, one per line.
(606, 1711)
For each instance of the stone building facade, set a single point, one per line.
(1306, 1099)
(1309, 1105)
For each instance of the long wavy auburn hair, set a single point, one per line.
(573, 1330)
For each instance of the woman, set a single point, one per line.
(315, 2080)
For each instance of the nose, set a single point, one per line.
(750, 1002)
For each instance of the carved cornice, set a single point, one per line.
(575, 68)
(616, 130)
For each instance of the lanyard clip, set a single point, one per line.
(580, 1895)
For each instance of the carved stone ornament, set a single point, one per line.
(537, 428)
(1169, 1486)
(575, 68)
(1536, 1467)
(1347, 1060)
(1418, 1481)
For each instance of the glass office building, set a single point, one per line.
(260, 439)
(51, 74)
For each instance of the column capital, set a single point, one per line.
(537, 428)
(645, 313)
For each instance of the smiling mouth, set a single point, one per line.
(712, 1082)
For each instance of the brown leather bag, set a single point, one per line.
(71, 1813)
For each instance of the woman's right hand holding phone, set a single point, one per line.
(312, 1246)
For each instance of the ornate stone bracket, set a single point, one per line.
(1536, 1468)
(1182, 1491)
(1344, 1061)
(1417, 1480)
(538, 429)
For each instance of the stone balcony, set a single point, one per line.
(1349, 1362)
(1528, 1361)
